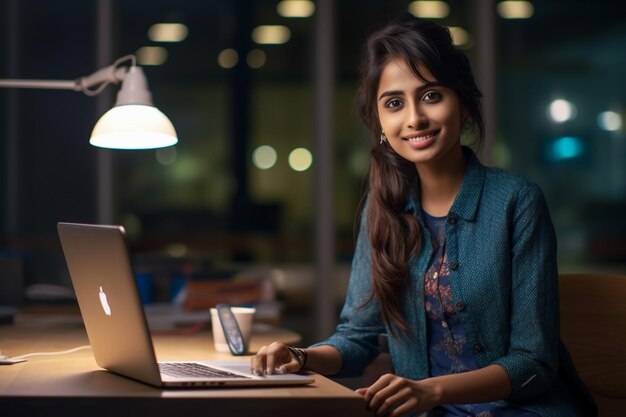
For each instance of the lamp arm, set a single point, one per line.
(44, 84)
(90, 85)
(113, 74)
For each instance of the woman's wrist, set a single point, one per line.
(300, 355)
(437, 392)
(432, 391)
(487, 384)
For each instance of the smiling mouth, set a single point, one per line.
(422, 138)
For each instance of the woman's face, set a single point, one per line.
(421, 120)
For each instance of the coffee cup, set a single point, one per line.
(243, 315)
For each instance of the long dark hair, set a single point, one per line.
(395, 235)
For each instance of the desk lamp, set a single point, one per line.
(133, 123)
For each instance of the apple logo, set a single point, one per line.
(104, 302)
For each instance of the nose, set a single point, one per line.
(416, 118)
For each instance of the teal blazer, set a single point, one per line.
(503, 268)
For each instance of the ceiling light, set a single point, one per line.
(514, 9)
(228, 58)
(168, 32)
(151, 55)
(429, 9)
(460, 37)
(296, 8)
(271, 34)
(256, 58)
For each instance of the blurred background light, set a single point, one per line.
(460, 36)
(166, 156)
(610, 121)
(295, 8)
(300, 159)
(186, 168)
(429, 9)
(256, 58)
(168, 32)
(132, 225)
(566, 147)
(264, 157)
(228, 58)
(271, 34)
(561, 110)
(151, 55)
(359, 162)
(176, 250)
(512, 9)
(502, 155)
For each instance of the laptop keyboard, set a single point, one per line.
(194, 370)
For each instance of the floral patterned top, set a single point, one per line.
(449, 352)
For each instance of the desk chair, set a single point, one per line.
(593, 327)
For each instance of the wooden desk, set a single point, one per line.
(73, 384)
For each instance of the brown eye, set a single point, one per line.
(432, 96)
(393, 103)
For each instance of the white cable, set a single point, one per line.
(63, 352)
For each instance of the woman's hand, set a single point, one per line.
(274, 359)
(393, 396)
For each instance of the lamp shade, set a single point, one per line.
(133, 126)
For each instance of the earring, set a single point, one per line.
(383, 138)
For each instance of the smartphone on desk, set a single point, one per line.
(231, 329)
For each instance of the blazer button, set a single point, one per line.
(454, 265)
(452, 219)
(478, 348)
(460, 306)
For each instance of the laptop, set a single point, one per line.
(104, 283)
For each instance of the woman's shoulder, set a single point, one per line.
(504, 180)
(504, 188)
(497, 179)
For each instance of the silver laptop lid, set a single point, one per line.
(101, 272)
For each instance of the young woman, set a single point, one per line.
(455, 261)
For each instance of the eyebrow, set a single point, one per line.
(418, 90)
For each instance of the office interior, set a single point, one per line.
(272, 160)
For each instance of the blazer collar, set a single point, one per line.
(466, 202)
